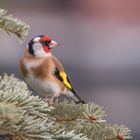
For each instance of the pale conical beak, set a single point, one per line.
(53, 44)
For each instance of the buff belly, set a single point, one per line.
(43, 88)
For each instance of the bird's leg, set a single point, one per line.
(49, 99)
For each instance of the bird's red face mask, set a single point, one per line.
(48, 43)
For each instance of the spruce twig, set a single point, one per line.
(36, 120)
(13, 25)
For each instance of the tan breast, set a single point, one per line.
(39, 66)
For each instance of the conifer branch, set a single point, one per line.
(28, 117)
(13, 25)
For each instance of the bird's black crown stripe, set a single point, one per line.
(31, 51)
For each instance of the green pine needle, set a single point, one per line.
(27, 117)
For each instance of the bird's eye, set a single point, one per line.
(45, 43)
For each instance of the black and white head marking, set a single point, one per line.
(32, 43)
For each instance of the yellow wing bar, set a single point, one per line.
(65, 80)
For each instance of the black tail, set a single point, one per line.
(77, 99)
(80, 102)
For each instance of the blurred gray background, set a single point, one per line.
(100, 49)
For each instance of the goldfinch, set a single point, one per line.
(43, 71)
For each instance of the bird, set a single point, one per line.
(44, 72)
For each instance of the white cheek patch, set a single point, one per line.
(36, 39)
(38, 49)
(37, 46)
